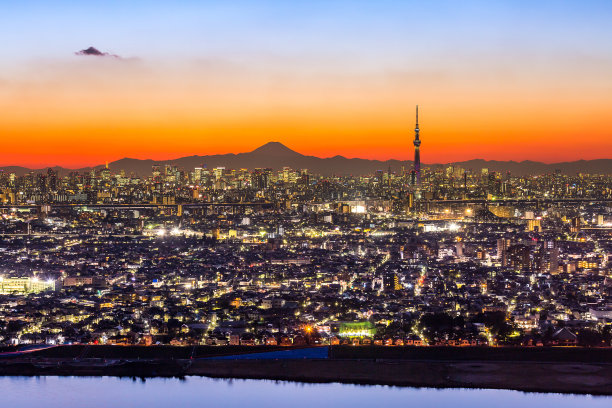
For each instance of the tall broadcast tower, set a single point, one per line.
(417, 158)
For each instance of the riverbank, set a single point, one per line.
(580, 378)
(559, 370)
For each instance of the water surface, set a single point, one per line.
(90, 392)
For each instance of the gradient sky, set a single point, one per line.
(494, 79)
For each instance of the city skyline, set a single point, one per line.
(510, 81)
(275, 155)
(375, 198)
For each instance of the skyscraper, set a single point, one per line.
(417, 157)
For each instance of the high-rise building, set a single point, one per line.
(576, 224)
(304, 177)
(52, 180)
(218, 172)
(105, 173)
(520, 257)
(417, 157)
(260, 178)
(502, 247)
(549, 257)
(197, 175)
(391, 282)
(156, 170)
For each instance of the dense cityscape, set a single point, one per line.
(307, 203)
(433, 256)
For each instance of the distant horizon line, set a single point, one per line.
(282, 145)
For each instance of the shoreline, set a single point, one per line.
(575, 378)
(554, 370)
(541, 377)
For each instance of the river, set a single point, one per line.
(93, 392)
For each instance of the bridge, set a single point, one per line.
(515, 201)
(270, 205)
(139, 206)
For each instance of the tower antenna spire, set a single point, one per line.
(417, 158)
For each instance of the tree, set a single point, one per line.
(589, 338)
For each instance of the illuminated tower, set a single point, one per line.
(417, 157)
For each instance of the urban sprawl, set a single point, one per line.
(219, 256)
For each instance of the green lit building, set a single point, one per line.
(356, 329)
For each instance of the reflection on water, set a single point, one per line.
(88, 392)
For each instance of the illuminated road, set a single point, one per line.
(141, 206)
(267, 204)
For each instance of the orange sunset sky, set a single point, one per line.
(509, 82)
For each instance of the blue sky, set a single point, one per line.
(391, 31)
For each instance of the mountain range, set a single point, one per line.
(275, 155)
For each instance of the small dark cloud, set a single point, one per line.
(96, 53)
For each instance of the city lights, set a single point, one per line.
(214, 256)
